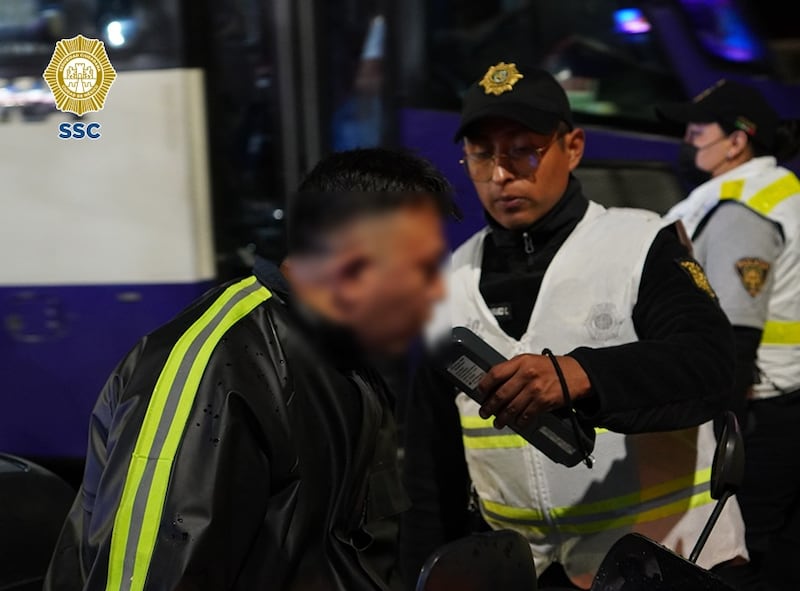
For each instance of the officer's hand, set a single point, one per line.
(519, 389)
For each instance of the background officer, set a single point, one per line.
(642, 343)
(745, 224)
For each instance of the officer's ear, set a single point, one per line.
(574, 142)
(739, 143)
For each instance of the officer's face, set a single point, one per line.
(515, 193)
(712, 145)
(387, 290)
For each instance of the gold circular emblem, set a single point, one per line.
(500, 78)
(79, 75)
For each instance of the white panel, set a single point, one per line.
(130, 207)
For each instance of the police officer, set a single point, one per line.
(640, 339)
(745, 224)
(248, 444)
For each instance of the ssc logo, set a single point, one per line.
(79, 130)
(79, 75)
(603, 322)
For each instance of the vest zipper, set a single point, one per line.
(528, 247)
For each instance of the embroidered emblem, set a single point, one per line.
(698, 275)
(753, 273)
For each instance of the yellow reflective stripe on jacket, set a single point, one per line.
(781, 332)
(141, 505)
(480, 433)
(768, 198)
(663, 500)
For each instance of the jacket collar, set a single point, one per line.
(338, 343)
(568, 211)
(270, 276)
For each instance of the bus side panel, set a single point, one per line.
(102, 241)
(59, 344)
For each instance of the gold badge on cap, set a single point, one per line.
(500, 78)
(753, 273)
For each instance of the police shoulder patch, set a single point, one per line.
(753, 273)
(694, 270)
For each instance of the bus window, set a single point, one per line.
(603, 52)
(138, 34)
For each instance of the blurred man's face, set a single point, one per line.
(390, 299)
(531, 173)
(384, 276)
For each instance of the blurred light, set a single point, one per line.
(737, 44)
(114, 34)
(723, 29)
(278, 214)
(631, 21)
(564, 75)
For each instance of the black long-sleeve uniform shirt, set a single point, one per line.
(678, 374)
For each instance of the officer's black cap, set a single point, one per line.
(530, 96)
(733, 106)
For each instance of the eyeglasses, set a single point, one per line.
(521, 162)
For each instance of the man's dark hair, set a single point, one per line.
(347, 185)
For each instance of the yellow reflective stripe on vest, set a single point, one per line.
(141, 506)
(663, 500)
(765, 200)
(776, 332)
(731, 190)
(781, 332)
(480, 433)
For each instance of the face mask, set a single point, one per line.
(688, 174)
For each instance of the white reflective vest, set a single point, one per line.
(655, 484)
(773, 192)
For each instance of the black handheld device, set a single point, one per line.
(466, 358)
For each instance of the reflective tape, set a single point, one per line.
(731, 190)
(765, 200)
(664, 500)
(781, 332)
(480, 433)
(141, 506)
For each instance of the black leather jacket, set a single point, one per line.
(287, 454)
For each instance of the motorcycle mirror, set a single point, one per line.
(727, 470)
